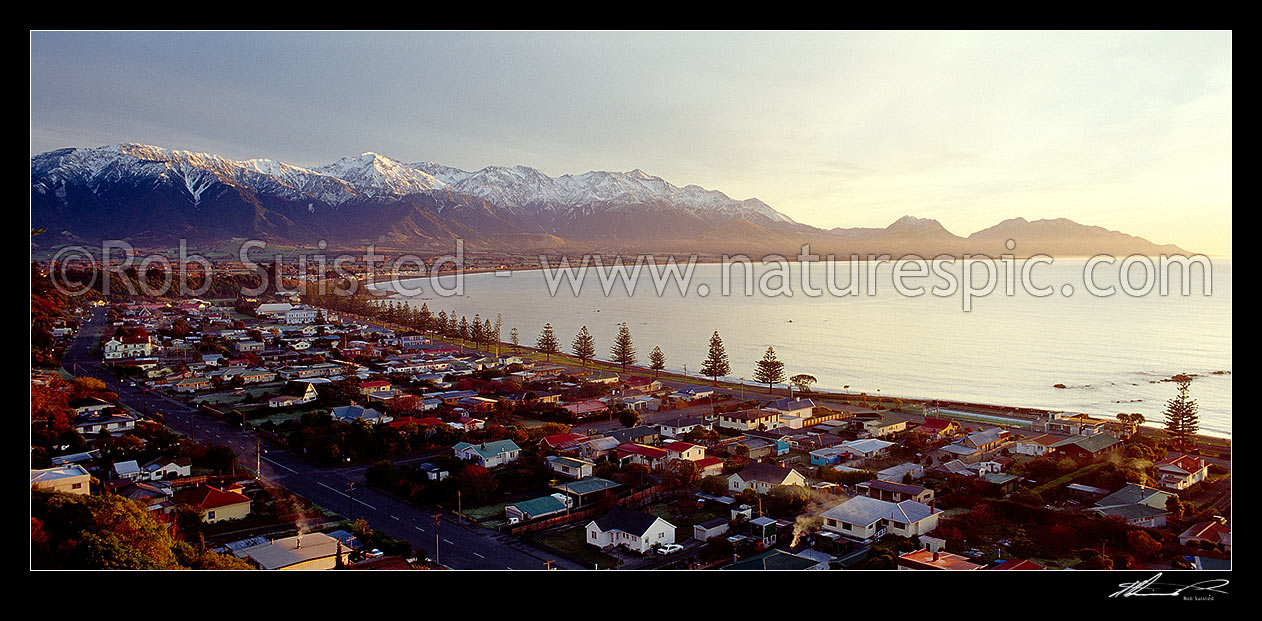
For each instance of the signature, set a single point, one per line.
(1151, 587)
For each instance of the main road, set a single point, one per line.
(449, 541)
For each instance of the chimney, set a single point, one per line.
(298, 545)
(935, 557)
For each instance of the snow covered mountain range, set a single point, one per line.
(153, 195)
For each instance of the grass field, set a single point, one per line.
(572, 543)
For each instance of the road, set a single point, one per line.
(452, 544)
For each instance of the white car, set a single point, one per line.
(669, 548)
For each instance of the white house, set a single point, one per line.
(683, 450)
(1180, 473)
(746, 420)
(763, 477)
(1037, 446)
(862, 518)
(633, 530)
(488, 454)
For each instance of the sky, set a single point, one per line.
(1130, 130)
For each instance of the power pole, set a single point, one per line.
(351, 487)
(258, 459)
(436, 516)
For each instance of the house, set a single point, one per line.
(709, 466)
(985, 440)
(128, 347)
(412, 340)
(537, 508)
(162, 468)
(129, 470)
(308, 551)
(214, 504)
(488, 454)
(763, 477)
(113, 424)
(692, 393)
(586, 491)
(351, 413)
(598, 448)
(683, 450)
(572, 467)
(1078, 424)
(710, 529)
(1180, 473)
(681, 426)
(192, 384)
(257, 376)
(72, 479)
(639, 435)
(883, 427)
(829, 456)
(91, 405)
(941, 560)
(301, 315)
(563, 442)
(642, 384)
(862, 518)
(866, 448)
(247, 347)
(934, 429)
(433, 472)
(1138, 505)
(374, 387)
(799, 408)
(895, 492)
(586, 409)
(1090, 448)
(900, 472)
(1037, 446)
(777, 560)
(746, 420)
(782, 443)
(1018, 564)
(294, 393)
(633, 453)
(633, 530)
(1207, 534)
(154, 496)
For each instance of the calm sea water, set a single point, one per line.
(1009, 348)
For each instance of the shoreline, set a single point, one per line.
(1027, 414)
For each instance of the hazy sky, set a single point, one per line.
(1126, 130)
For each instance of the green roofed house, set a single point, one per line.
(776, 559)
(536, 508)
(488, 454)
(586, 491)
(1088, 448)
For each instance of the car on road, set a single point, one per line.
(669, 548)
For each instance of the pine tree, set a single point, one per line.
(514, 338)
(623, 351)
(716, 364)
(584, 346)
(1182, 419)
(547, 342)
(488, 333)
(657, 360)
(769, 370)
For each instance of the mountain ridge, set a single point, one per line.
(155, 195)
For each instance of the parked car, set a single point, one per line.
(669, 548)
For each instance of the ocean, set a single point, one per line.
(872, 332)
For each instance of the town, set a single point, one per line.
(315, 432)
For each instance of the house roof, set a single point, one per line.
(1132, 493)
(627, 521)
(536, 507)
(750, 414)
(789, 405)
(923, 559)
(766, 473)
(489, 450)
(891, 486)
(1185, 463)
(679, 446)
(631, 448)
(1091, 444)
(1208, 531)
(1041, 440)
(866, 511)
(867, 445)
(1017, 564)
(774, 559)
(586, 485)
(292, 550)
(207, 497)
(936, 425)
